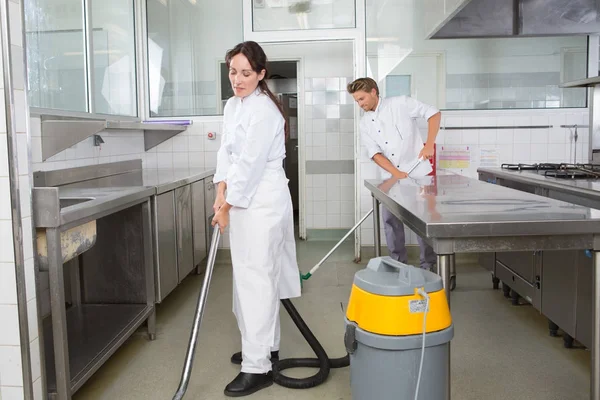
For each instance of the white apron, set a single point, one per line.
(265, 269)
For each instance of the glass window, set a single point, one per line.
(281, 15)
(56, 54)
(114, 57)
(187, 42)
(397, 85)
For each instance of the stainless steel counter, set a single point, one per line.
(588, 188)
(165, 180)
(459, 214)
(79, 205)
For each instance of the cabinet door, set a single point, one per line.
(185, 242)
(559, 283)
(199, 221)
(585, 292)
(166, 268)
(522, 263)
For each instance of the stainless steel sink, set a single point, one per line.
(71, 201)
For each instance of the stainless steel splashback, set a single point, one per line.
(122, 173)
(518, 18)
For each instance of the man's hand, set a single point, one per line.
(426, 152)
(400, 174)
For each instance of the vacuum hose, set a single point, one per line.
(323, 362)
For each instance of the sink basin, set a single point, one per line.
(71, 201)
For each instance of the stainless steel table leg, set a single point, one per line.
(445, 267)
(149, 268)
(59, 315)
(376, 228)
(595, 378)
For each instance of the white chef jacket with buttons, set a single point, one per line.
(253, 140)
(392, 131)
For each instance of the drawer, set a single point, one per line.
(522, 263)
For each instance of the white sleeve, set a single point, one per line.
(418, 109)
(223, 157)
(367, 141)
(245, 175)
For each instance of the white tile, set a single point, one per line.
(195, 143)
(333, 206)
(150, 160)
(38, 393)
(319, 195)
(18, 68)
(521, 152)
(505, 153)
(11, 393)
(453, 137)
(333, 221)
(180, 144)
(470, 137)
(347, 125)
(319, 153)
(32, 321)
(452, 121)
(333, 139)
(10, 367)
(9, 334)
(3, 153)
(320, 223)
(539, 153)
(558, 135)
(347, 180)
(319, 125)
(196, 159)
(180, 160)
(539, 136)
(319, 181)
(334, 153)
(505, 136)
(16, 26)
(36, 149)
(487, 136)
(34, 348)
(165, 160)
(5, 203)
(20, 111)
(6, 238)
(319, 139)
(333, 193)
(522, 136)
(165, 147)
(319, 206)
(347, 220)
(25, 195)
(210, 159)
(332, 84)
(8, 284)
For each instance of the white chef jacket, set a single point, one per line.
(253, 140)
(392, 131)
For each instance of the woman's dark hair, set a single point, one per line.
(258, 61)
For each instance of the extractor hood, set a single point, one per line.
(522, 18)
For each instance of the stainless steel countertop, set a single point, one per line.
(589, 188)
(67, 207)
(165, 180)
(453, 206)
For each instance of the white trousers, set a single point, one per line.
(265, 268)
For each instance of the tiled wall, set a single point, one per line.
(510, 90)
(329, 147)
(555, 144)
(12, 376)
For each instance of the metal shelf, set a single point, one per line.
(95, 332)
(589, 82)
(60, 133)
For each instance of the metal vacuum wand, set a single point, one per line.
(189, 358)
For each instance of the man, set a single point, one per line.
(393, 141)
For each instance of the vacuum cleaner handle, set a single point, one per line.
(189, 358)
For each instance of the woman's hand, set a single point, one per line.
(221, 218)
(219, 201)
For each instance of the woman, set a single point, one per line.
(253, 198)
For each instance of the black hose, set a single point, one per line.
(323, 362)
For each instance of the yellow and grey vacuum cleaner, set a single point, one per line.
(398, 329)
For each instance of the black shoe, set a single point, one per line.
(245, 384)
(237, 357)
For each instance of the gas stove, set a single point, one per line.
(560, 170)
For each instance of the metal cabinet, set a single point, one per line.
(521, 270)
(185, 242)
(584, 299)
(559, 288)
(199, 222)
(165, 244)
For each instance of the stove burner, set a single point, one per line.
(530, 167)
(561, 171)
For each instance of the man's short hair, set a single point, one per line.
(364, 84)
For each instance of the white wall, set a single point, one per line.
(12, 376)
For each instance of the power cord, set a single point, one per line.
(423, 294)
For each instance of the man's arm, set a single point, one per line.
(433, 127)
(386, 164)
